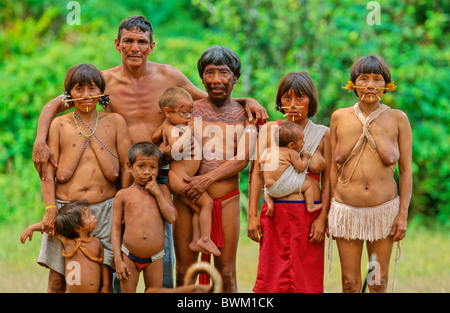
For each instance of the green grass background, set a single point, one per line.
(423, 268)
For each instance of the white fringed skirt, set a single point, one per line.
(373, 223)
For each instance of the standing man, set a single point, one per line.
(225, 154)
(134, 88)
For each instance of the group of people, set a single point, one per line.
(156, 173)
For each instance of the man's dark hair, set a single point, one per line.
(136, 22)
(69, 219)
(83, 74)
(219, 55)
(144, 148)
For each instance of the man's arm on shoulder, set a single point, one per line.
(180, 80)
(253, 107)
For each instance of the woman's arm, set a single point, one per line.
(256, 180)
(42, 155)
(333, 142)
(256, 184)
(405, 176)
(317, 231)
(48, 182)
(123, 142)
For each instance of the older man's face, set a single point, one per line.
(218, 81)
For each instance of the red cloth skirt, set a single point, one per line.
(288, 262)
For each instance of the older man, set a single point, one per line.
(225, 154)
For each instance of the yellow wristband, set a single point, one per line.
(50, 207)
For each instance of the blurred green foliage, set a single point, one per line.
(272, 38)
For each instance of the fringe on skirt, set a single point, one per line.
(373, 223)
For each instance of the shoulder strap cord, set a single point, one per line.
(365, 137)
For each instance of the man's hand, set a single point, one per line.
(42, 157)
(196, 185)
(253, 107)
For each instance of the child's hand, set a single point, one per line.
(305, 154)
(27, 233)
(153, 187)
(270, 205)
(122, 271)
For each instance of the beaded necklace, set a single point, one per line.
(88, 137)
(141, 188)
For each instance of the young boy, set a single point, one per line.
(83, 253)
(177, 106)
(141, 209)
(288, 177)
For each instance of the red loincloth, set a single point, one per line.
(288, 262)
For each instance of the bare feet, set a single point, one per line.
(194, 246)
(208, 245)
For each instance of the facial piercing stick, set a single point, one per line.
(92, 97)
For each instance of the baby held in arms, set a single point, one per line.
(176, 131)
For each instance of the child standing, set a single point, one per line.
(177, 105)
(288, 178)
(83, 253)
(141, 209)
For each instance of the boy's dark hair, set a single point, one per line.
(169, 98)
(70, 218)
(136, 22)
(144, 148)
(83, 74)
(219, 55)
(287, 132)
(302, 85)
(370, 64)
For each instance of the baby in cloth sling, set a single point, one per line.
(295, 148)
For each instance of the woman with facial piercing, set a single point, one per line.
(91, 151)
(368, 139)
(291, 255)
